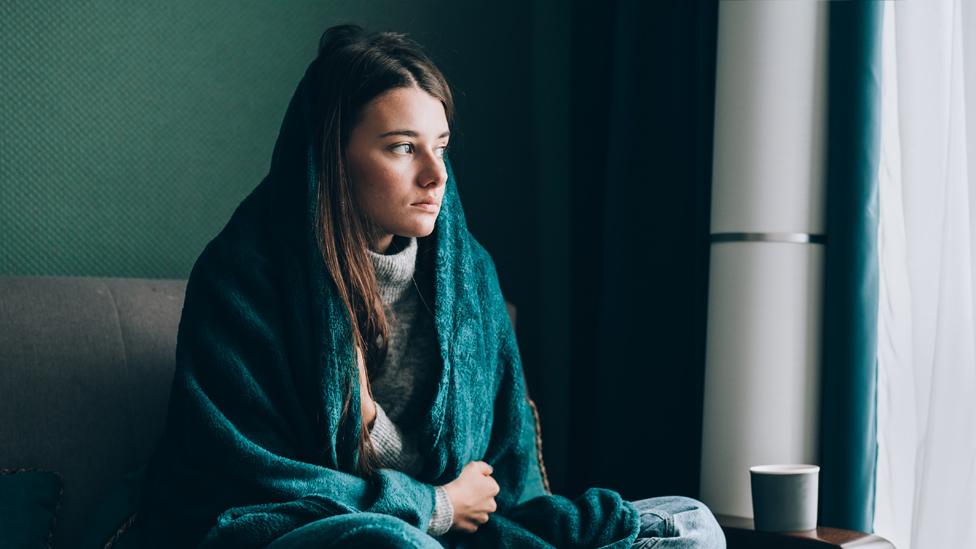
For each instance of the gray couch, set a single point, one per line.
(85, 372)
(87, 365)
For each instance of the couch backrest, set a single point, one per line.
(85, 371)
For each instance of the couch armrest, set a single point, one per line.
(740, 534)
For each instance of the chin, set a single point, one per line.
(418, 232)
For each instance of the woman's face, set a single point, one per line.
(395, 157)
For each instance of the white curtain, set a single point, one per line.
(926, 489)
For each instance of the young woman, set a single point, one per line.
(346, 369)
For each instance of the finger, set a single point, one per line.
(492, 506)
(486, 469)
(481, 518)
(495, 489)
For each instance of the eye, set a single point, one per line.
(441, 151)
(406, 148)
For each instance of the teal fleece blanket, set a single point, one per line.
(253, 450)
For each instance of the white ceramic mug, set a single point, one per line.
(784, 497)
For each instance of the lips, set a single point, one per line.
(430, 202)
(432, 207)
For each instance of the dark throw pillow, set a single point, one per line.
(29, 502)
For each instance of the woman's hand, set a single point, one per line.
(473, 496)
(365, 400)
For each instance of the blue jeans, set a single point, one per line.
(674, 522)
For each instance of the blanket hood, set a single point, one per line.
(321, 353)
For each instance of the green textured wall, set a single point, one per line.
(130, 131)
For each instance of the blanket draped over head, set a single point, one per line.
(254, 451)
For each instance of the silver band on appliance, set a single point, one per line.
(793, 238)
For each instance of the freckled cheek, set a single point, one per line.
(385, 183)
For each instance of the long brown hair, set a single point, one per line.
(354, 67)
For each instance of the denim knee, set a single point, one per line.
(675, 522)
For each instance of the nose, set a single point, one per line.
(433, 172)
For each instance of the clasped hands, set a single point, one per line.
(472, 493)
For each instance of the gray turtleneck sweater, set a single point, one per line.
(405, 387)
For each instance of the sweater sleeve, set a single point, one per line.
(443, 517)
(397, 450)
(393, 448)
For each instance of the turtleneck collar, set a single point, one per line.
(395, 269)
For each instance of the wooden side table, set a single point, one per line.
(741, 534)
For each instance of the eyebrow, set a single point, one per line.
(411, 133)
